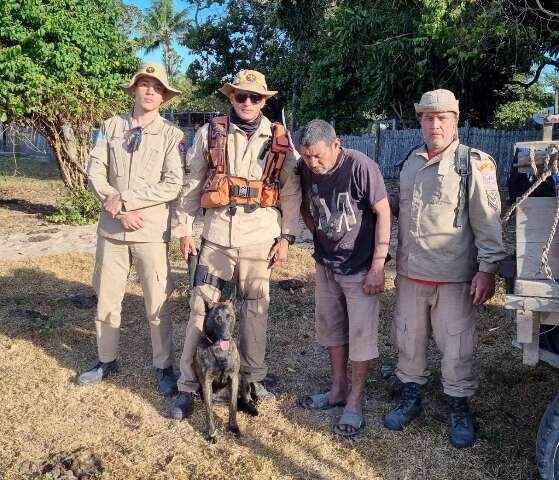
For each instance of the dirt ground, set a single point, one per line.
(47, 335)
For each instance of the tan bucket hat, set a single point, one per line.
(154, 70)
(249, 80)
(437, 101)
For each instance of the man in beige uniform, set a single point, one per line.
(135, 170)
(449, 248)
(249, 241)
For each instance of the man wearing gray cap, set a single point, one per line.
(135, 170)
(449, 247)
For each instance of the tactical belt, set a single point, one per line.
(243, 191)
(203, 276)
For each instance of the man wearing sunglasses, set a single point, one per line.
(240, 238)
(135, 170)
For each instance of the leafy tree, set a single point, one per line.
(365, 58)
(192, 99)
(381, 55)
(523, 103)
(61, 63)
(240, 34)
(160, 27)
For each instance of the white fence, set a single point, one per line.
(390, 146)
(386, 148)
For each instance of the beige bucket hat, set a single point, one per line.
(437, 101)
(154, 70)
(249, 80)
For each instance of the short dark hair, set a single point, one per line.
(317, 130)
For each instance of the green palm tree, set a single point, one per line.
(161, 26)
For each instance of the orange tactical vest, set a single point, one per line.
(222, 189)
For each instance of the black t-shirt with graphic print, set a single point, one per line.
(340, 204)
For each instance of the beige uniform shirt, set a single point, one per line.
(247, 158)
(430, 246)
(147, 179)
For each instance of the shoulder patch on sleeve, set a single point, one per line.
(493, 198)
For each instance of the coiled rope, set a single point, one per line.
(550, 167)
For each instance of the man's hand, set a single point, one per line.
(482, 287)
(132, 221)
(113, 204)
(278, 253)
(374, 281)
(188, 247)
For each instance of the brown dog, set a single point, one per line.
(217, 365)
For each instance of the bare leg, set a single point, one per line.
(338, 361)
(354, 402)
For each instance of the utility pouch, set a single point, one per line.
(216, 191)
(192, 266)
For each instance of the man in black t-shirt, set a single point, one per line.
(346, 208)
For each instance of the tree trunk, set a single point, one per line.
(71, 153)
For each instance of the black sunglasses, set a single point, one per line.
(135, 139)
(254, 97)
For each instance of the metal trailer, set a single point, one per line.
(532, 298)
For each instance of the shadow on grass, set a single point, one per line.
(25, 206)
(34, 306)
(54, 319)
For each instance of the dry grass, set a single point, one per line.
(29, 190)
(45, 340)
(124, 422)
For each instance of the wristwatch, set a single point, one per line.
(290, 238)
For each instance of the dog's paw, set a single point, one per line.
(248, 407)
(252, 410)
(212, 437)
(235, 431)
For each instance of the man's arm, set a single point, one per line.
(290, 200)
(167, 188)
(306, 213)
(290, 196)
(188, 201)
(484, 208)
(98, 168)
(374, 282)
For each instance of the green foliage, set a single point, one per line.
(521, 103)
(193, 99)
(514, 115)
(79, 207)
(62, 62)
(243, 34)
(160, 27)
(356, 58)
(68, 50)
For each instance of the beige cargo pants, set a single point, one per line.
(446, 311)
(112, 266)
(254, 290)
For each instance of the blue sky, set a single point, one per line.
(156, 55)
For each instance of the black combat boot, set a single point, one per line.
(407, 408)
(167, 381)
(460, 422)
(182, 407)
(96, 374)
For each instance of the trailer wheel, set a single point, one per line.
(547, 449)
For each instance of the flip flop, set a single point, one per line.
(352, 419)
(319, 401)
